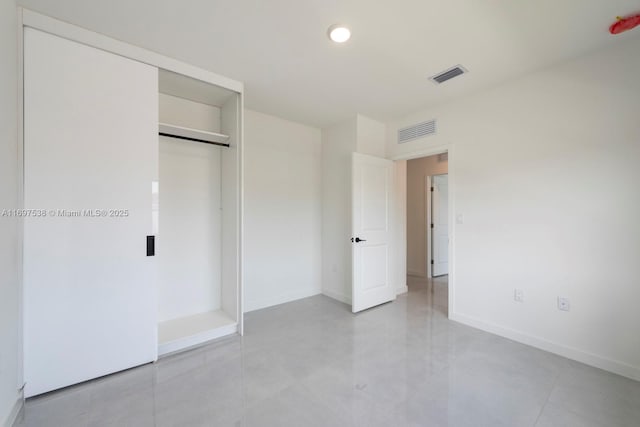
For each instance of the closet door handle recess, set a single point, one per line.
(151, 245)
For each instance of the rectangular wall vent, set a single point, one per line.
(416, 131)
(448, 74)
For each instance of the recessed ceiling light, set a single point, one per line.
(339, 33)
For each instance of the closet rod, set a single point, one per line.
(193, 139)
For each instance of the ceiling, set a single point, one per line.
(280, 50)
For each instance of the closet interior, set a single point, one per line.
(197, 212)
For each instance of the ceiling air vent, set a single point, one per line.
(416, 131)
(448, 74)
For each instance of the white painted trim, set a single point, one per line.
(182, 344)
(402, 290)
(422, 153)
(590, 359)
(15, 411)
(90, 38)
(20, 201)
(257, 304)
(452, 228)
(240, 143)
(428, 199)
(337, 296)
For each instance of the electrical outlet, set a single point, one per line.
(563, 304)
(518, 295)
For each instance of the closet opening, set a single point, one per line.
(197, 219)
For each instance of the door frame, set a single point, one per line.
(428, 194)
(402, 238)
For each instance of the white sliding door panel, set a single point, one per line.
(91, 143)
(372, 183)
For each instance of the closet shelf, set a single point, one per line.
(166, 129)
(188, 331)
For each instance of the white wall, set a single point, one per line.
(370, 136)
(338, 142)
(282, 211)
(189, 240)
(190, 234)
(545, 172)
(187, 113)
(417, 172)
(399, 239)
(357, 135)
(10, 354)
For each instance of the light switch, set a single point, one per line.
(459, 219)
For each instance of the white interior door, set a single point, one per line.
(371, 198)
(440, 218)
(90, 150)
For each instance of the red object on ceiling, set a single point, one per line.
(624, 24)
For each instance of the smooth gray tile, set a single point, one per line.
(344, 394)
(67, 407)
(314, 363)
(602, 397)
(463, 396)
(293, 406)
(557, 416)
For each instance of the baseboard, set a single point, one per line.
(337, 296)
(587, 358)
(257, 304)
(15, 411)
(402, 290)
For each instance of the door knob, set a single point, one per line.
(357, 240)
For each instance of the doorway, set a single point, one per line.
(427, 244)
(427, 229)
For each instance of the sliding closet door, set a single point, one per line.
(91, 147)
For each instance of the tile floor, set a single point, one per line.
(313, 363)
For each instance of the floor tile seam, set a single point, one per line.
(551, 389)
(580, 414)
